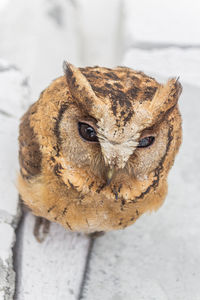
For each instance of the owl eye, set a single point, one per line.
(145, 142)
(87, 132)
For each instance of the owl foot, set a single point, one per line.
(41, 229)
(96, 234)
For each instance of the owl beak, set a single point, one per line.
(109, 175)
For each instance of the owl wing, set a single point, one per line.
(29, 150)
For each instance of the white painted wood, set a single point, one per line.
(6, 238)
(13, 100)
(100, 26)
(1, 295)
(168, 62)
(162, 22)
(158, 257)
(38, 36)
(53, 269)
(7, 276)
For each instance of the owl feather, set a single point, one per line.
(96, 148)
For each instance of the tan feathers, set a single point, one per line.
(98, 184)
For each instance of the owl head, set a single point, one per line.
(115, 121)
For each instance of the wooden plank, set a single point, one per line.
(13, 96)
(149, 23)
(52, 269)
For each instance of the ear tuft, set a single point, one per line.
(81, 90)
(165, 98)
(67, 68)
(178, 87)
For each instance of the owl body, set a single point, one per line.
(96, 148)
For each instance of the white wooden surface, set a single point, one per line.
(162, 23)
(100, 31)
(169, 62)
(51, 270)
(38, 36)
(158, 257)
(13, 101)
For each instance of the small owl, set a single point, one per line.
(96, 148)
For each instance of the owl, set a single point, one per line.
(96, 148)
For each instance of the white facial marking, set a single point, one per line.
(118, 154)
(117, 144)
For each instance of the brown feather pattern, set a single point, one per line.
(63, 177)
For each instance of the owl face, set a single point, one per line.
(96, 148)
(117, 125)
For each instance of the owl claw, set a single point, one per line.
(96, 234)
(41, 229)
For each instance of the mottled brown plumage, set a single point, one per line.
(107, 184)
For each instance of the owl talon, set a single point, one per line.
(96, 234)
(41, 229)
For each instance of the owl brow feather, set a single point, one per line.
(163, 116)
(158, 169)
